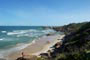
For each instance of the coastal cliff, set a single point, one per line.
(76, 45)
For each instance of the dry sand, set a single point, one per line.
(40, 46)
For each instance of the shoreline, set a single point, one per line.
(40, 46)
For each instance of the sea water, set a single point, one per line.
(14, 38)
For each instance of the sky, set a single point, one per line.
(43, 12)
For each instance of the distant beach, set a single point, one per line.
(39, 46)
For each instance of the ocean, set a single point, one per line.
(14, 38)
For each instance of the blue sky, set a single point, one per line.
(43, 12)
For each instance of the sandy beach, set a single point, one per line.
(39, 46)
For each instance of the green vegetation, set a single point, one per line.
(76, 45)
(69, 28)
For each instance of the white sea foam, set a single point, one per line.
(3, 31)
(14, 33)
(18, 32)
(30, 33)
(1, 39)
(11, 33)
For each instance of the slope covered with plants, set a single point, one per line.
(76, 45)
(69, 28)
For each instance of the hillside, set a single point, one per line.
(76, 45)
(69, 28)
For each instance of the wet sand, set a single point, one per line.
(41, 45)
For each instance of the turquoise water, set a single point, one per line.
(17, 37)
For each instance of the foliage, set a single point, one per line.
(76, 45)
